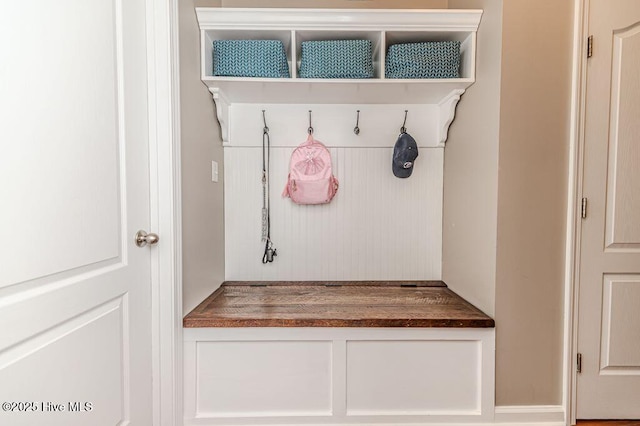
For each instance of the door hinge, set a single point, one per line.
(589, 46)
(583, 212)
(579, 363)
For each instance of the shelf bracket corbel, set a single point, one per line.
(447, 112)
(222, 112)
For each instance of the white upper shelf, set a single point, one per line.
(382, 27)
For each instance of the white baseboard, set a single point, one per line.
(549, 415)
(511, 415)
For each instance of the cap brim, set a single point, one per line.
(401, 172)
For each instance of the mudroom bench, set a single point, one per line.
(295, 353)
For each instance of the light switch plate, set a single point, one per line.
(214, 171)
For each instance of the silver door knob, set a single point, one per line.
(142, 238)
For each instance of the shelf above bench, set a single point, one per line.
(336, 304)
(382, 27)
(336, 91)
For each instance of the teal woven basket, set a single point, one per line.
(250, 58)
(440, 59)
(336, 59)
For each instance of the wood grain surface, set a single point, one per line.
(336, 304)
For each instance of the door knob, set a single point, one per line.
(142, 238)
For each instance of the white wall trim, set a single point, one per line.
(393, 424)
(165, 196)
(574, 193)
(530, 414)
(528, 423)
(375, 19)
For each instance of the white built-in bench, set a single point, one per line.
(301, 353)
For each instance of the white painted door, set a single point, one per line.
(75, 334)
(609, 304)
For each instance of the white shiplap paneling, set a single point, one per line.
(378, 227)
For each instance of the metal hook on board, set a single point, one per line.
(265, 129)
(356, 129)
(403, 129)
(310, 129)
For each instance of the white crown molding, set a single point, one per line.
(375, 19)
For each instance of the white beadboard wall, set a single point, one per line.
(378, 227)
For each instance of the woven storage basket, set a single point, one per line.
(336, 59)
(440, 59)
(250, 58)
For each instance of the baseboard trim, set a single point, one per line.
(528, 414)
(505, 415)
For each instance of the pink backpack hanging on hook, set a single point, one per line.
(311, 179)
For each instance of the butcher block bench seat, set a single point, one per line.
(336, 304)
(338, 353)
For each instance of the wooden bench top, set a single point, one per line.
(336, 304)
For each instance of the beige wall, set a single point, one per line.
(202, 209)
(505, 191)
(532, 198)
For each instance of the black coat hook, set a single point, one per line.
(310, 129)
(403, 129)
(265, 129)
(356, 129)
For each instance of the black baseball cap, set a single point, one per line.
(405, 153)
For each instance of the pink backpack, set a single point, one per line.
(311, 179)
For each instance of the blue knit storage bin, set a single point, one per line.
(336, 59)
(250, 58)
(438, 59)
